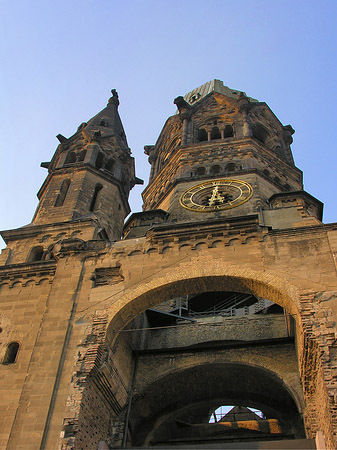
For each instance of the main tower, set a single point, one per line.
(209, 318)
(226, 155)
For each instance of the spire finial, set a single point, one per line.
(114, 99)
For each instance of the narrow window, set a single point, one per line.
(94, 201)
(71, 158)
(202, 135)
(63, 192)
(228, 131)
(109, 165)
(215, 134)
(11, 353)
(36, 254)
(99, 160)
(260, 133)
(81, 155)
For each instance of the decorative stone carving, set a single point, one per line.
(107, 275)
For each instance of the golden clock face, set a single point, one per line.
(216, 195)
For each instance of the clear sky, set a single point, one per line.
(60, 59)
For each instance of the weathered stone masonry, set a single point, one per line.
(133, 334)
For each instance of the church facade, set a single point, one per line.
(207, 319)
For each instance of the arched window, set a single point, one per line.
(215, 134)
(11, 353)
(215, 170)
(202, 135)
(94, 200)
(200, 171)
(71, 158)
(36, 254)
(260, 133)
(62, 193)
(99, 160)
(230, 167)
(81, 155)
(228, 131)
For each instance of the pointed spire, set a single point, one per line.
(107, 123)
(114, 99)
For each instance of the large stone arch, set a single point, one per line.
(229, 383)
(200, 275)
(256, 358)
(193, 277)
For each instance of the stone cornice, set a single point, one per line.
(304, 230)
(234, 226)
(26, 271)
(32, 230)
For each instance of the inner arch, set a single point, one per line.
(173, 407)
(211, 278)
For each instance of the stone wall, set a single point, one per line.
(68, 324)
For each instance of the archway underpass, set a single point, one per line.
(197, 352)
(176, 409)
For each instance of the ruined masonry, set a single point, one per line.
(208, 320)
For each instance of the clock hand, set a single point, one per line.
(216, 197)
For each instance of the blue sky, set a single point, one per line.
(59, 61)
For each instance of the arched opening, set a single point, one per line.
(202, 135)
(110, 165)
(99, 161)
(62, 193)
(210, 277)
(228, 131)
(179, 354)
(71, 158)
(260, 133)
(215, 170)
(95, 198)
(266, 173)
(230, 167)
(212, 327)
(11, 353)
(177, 408)
(36, 254)
(81, 155)
(215, 133)
(200, 171)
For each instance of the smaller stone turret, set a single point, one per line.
(91, 173)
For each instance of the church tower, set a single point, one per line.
(226, 155)
(206, 320)
(85, 194)
(90, 175)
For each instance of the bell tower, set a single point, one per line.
(90, 175)
(225, 155)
